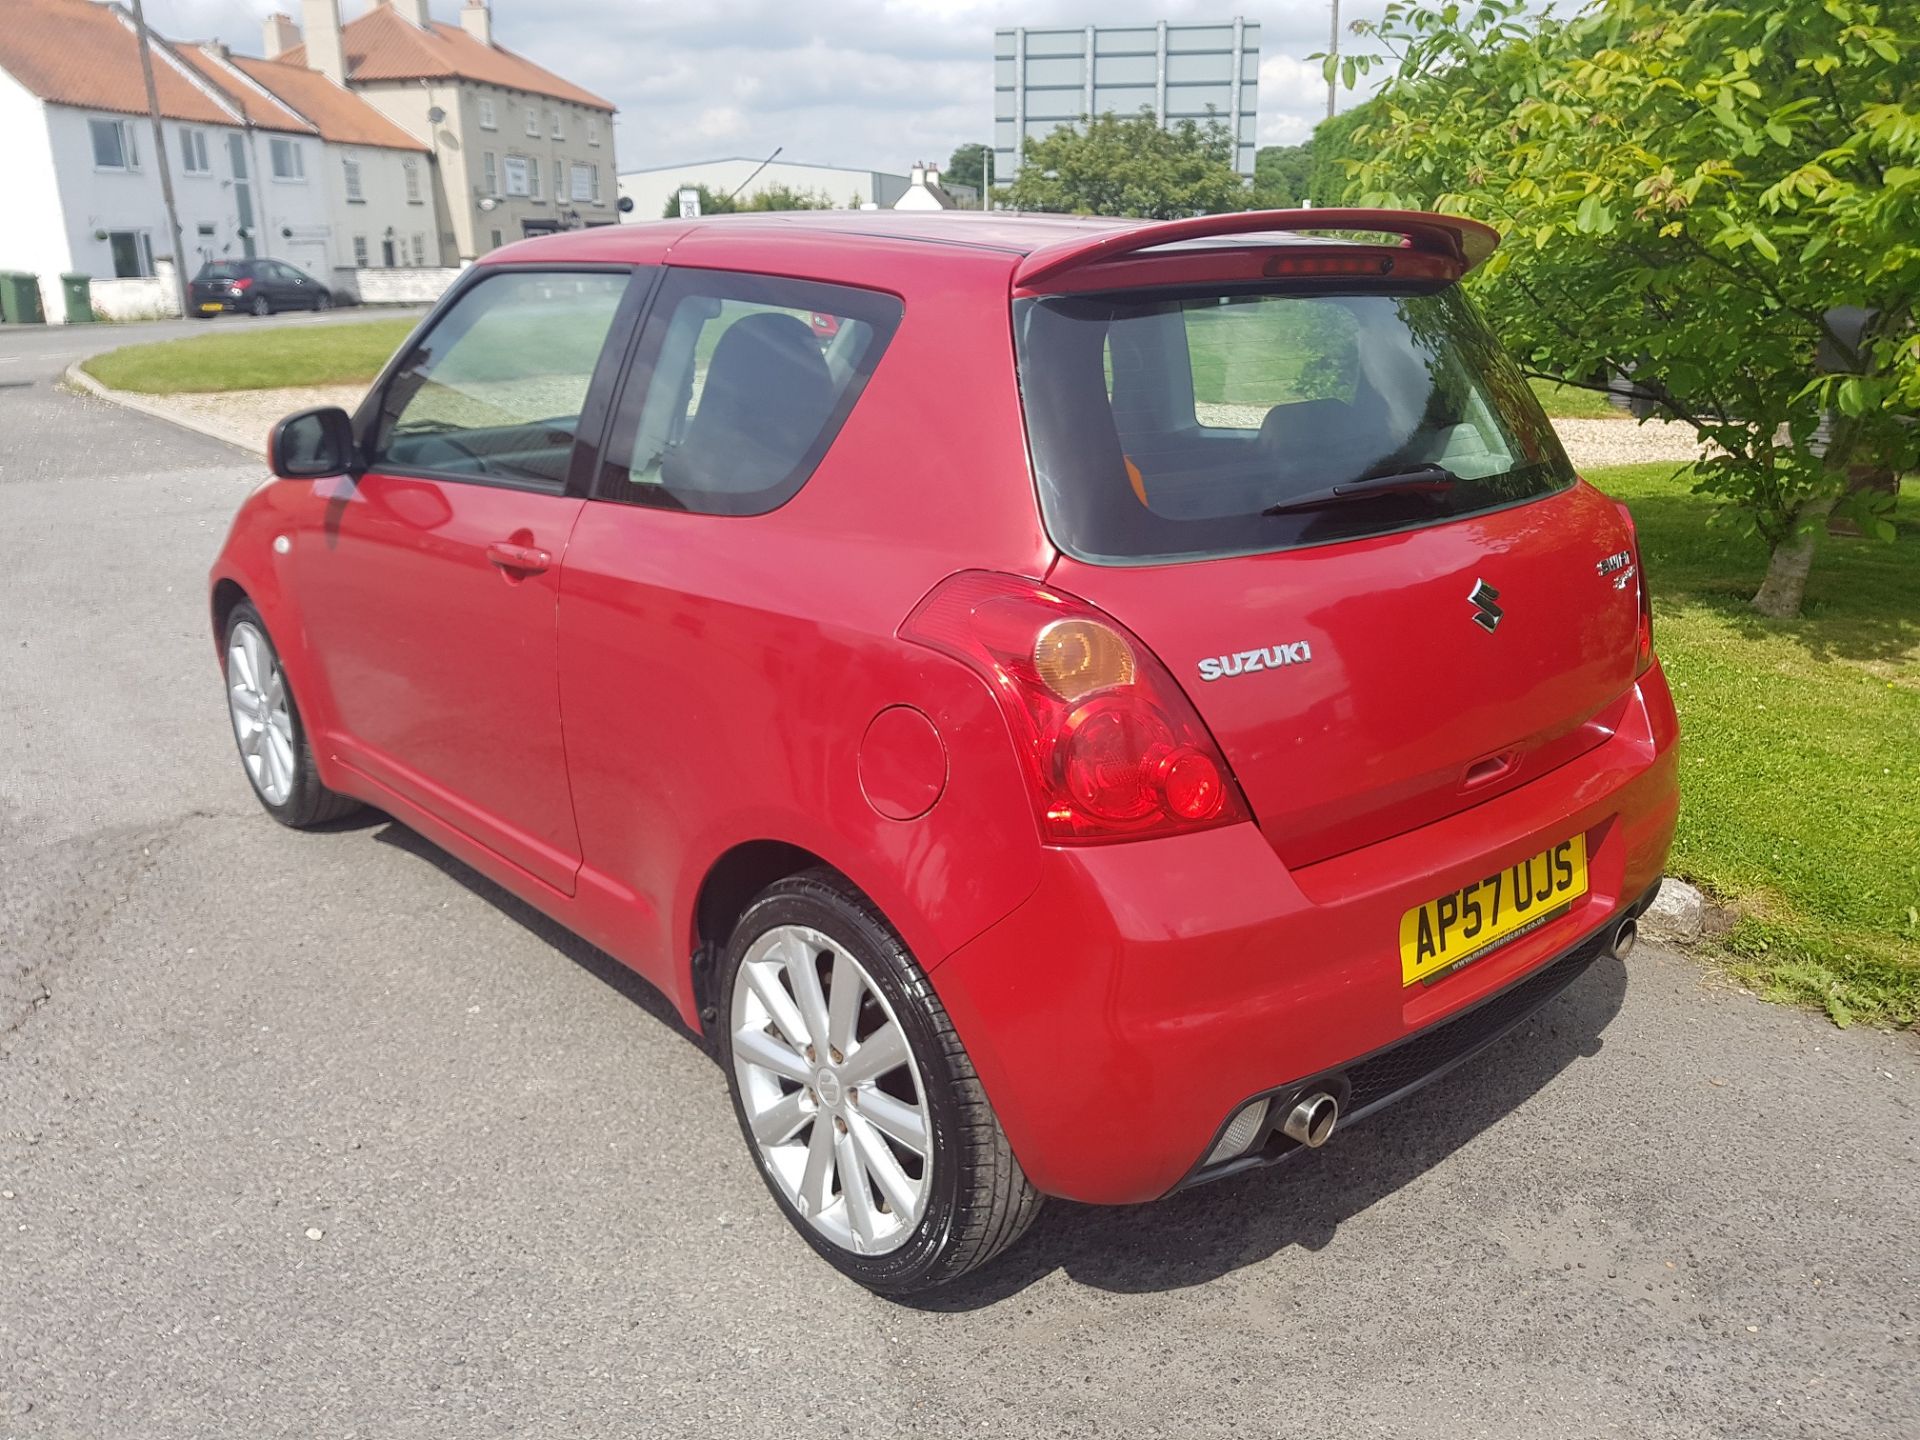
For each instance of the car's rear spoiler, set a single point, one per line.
(1463, 242)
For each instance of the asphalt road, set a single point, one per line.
(1661, 1209)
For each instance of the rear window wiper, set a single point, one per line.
(1421, 479)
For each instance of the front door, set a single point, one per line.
(430, 591)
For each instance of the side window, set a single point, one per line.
(741, 384)
(495, 389)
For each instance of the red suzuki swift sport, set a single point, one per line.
(1066, 706)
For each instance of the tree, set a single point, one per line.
(1130, 166)
(773, 197)
(967, 166)
(1686, 188)
(1280, 176)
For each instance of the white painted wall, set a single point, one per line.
(150, 298)
(407, 286)
(383, 206)
(30, 238)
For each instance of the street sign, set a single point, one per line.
(689, 203)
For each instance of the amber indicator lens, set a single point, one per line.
(1074, 658)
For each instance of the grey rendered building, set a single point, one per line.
(1047, 78)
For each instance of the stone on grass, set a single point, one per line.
(1678, 914)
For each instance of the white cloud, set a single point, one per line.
(877, 83)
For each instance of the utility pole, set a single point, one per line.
(160, 157)
(1333, 50)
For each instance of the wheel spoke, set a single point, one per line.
(878, 1053)
(903, 1122)
(256, 657)
(843, 1009)
(803, 970)
(757, 1047)
(816, 1181)
(854, 1190)
(884, 1166)
(246, 703)
(252, 742)
(275, 690)
(765, 984)
(781, 1121)
(279, 759)
(240, 666)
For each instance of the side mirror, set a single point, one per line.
(312, 444)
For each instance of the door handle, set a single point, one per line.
(521, 559)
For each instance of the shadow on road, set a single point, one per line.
(1202, 1234)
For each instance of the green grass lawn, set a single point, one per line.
(1801, 749)
(253, 359)
(1570, 402)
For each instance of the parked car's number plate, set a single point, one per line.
(1450, 931)
(210, 306)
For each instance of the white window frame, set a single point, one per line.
(533, 177)
(275, 150)
(593, 171)
(419, 250)
(410, 167)
(489, 118)
(194, 159)
(533, 122)
(514, 177)
(143, 252)
(490, 172)
(129, 144)
(361, 252)
(558, 123)
(350, 170)
(593, 130)
(580, 186)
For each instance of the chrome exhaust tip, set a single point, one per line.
(1311, 1120)
(1625, 936)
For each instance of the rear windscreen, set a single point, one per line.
(1175, 425)
(219, 270)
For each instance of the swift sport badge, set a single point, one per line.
(1619, 566)
(1221, 667)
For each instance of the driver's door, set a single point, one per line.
(430, 588)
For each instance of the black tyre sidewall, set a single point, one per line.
(813, 903)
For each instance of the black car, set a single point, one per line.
(257, 287)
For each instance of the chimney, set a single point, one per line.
(281, 35)
(933, 177)
(476, 18)
(326, 51)
(412, 10)
(917, 176)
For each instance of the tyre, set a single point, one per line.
(856, 1097)
(260, 306)
(266, 727)
(205, 314)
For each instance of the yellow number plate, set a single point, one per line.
(1444, 933)
(209, 307)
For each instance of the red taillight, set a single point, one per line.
(1372, 261)
(243, 283)
(1111, 747)
(1645, 636)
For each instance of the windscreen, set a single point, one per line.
(1177, 425)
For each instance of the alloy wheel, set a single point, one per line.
(262, 718)
(832, 1093)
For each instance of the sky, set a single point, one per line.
(875, 84)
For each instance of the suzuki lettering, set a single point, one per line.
(1245, 662)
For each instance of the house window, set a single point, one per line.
(288, 162)
(132, 253)
(498, 239)
(490, 173)
(419, 249)
(360, 252)
(593, 132)
(488, 120)
(351, 166)
(412, 169)
(533, 178)
(583, 186)
(114, 146)
(558, 123)
(593, 173)
(533, 121)
(193, 153)
(517, 175)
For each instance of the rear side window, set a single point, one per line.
(739, 387)
(1181, 425)
(495, 389)
(220, 270)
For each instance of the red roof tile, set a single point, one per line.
(260, 110)
(74, 52)
(382, 45)
(340, 116)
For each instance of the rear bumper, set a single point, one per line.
(1146, 991)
